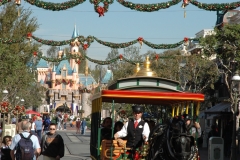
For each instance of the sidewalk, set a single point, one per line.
(203, 152)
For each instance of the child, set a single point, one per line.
(5, 150)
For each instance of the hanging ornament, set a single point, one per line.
(78, 62)
(156, 57)
(140, 40)
(85, 47)
(29, 36)
(120, 57)
(100, 11)
(34, 54)
(186, 41)
(185, 3)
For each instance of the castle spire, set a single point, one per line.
(74, 35)
(86, 68)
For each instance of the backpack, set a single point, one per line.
(47, 123)
(25, 149)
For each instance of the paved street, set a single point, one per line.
(77, 147)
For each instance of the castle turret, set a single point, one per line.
(53, 76)
(74, 78)
(60, 52)
(74, 48)
(86, 68)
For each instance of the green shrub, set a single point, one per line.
(88, 124)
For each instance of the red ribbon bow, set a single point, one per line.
(29, 35)
(120, 57)
(85, 46)
(185, 39)
(34, 53)
(100, 11)
(140, 39)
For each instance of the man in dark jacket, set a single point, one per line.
(52, 145)
(137, 131)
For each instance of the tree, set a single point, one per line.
(122, 69)
(15, 75)
(225, 45)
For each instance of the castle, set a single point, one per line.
(67, 89)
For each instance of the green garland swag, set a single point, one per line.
(83, 57)
(86, 42)
(116, 45)
(215, 6)
(53, 43)
(11, 41)
(135, 6)
(4, 2)
(148, 7)
(55, 6)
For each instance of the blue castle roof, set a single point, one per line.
(108, 76)
(86, 80)
(42, 64)
(61, 65)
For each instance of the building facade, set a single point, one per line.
(67, 89)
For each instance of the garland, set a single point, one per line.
(53, 43)
(215, 6)
(66, 81)
(107, 62)
(11, 41)
(135, 6)
(4, 2)
(116, 45)
(102, 62)
(55, 6)
(148, 7)
(85, 42)
(99, 9)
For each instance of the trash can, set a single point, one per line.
(215, 148)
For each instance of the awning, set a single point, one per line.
(223, 108)
(146, 97)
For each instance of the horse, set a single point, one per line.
(172, 141)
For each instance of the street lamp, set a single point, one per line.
(4, 109)
(235, 85)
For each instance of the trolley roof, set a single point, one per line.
(147, 97)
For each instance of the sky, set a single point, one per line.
(121, 24)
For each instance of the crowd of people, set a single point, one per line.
(29, 144)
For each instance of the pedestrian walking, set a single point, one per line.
(25, 145)
(33, 127)
(21, 122)
(5, 150)
(59, 121)
(78, 125)
(52, 145)
(83, 126)
(46, 124)
(71, 120)
(39, 126)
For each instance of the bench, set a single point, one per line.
(117, 150)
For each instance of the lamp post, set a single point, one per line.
(4, 109)
(235, 83)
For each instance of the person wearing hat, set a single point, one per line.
(136, 130)
(194, 127)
